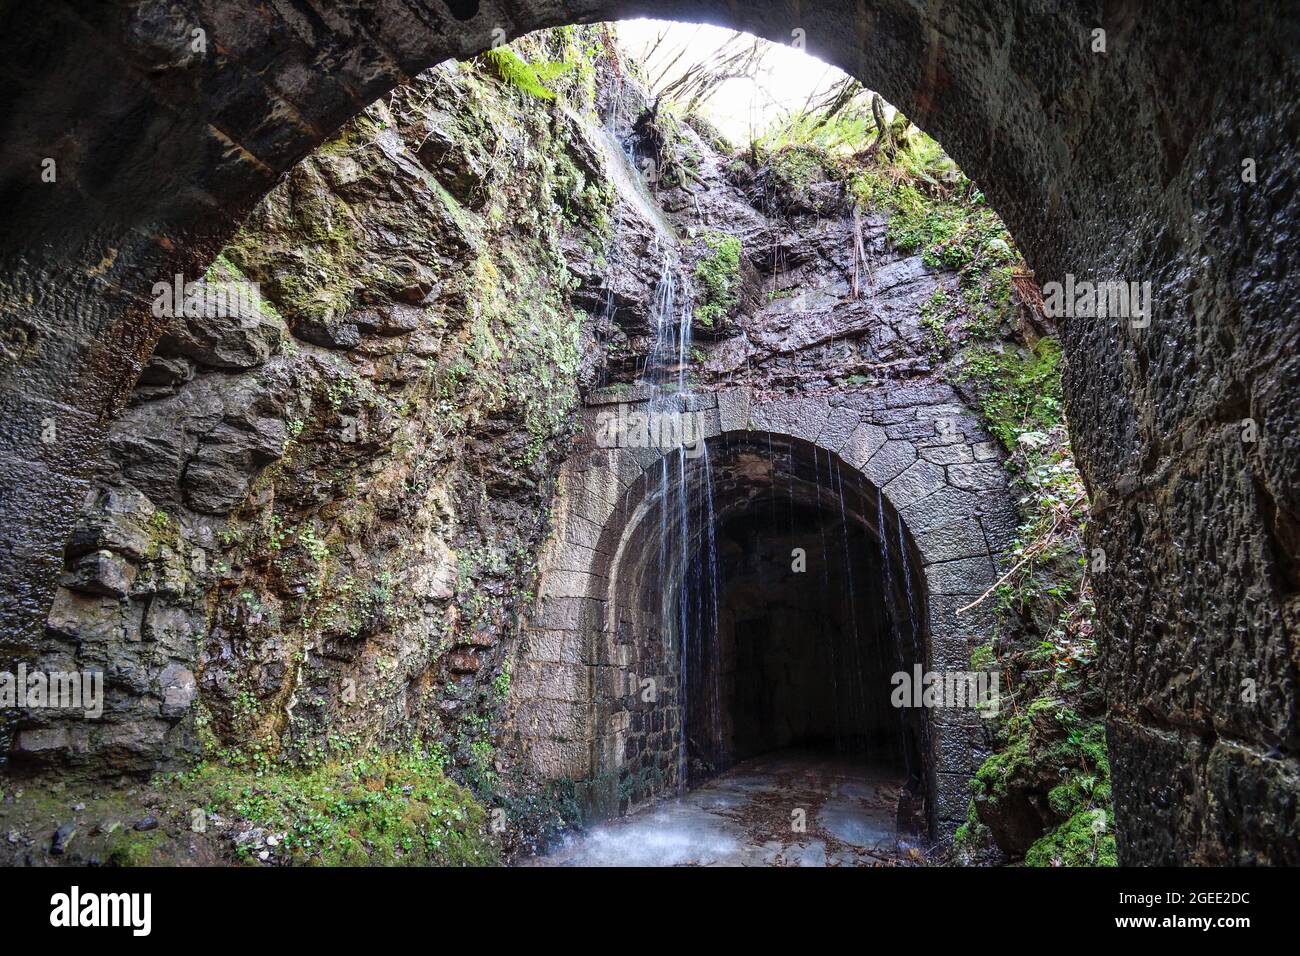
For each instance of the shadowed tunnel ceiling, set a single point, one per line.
(1126, 163)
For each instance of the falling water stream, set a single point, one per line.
(688, 829)
(687, 558)
(687, 533)
(665, 369)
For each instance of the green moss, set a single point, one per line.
(994, 774)
(501, 683)
(987, 296)
(638, 786)
(935, 315)
(465, 222)
(1083, 749)
(873, 187)
(1050, 740)
(531, 78)
(584, 203)
(949, 226)
(1086, 839)
(133, 848)
(1018, 390)
(972, 835)
(1082, 790)
(353, 137)
(385, 810)
(222, 269)
(325, 238)
(798, 167)
(949, 234)
(717, 278)
(164, 534)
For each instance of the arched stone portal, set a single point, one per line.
(911, 461)
(1152, 156)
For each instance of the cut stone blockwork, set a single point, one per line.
(596, 687)
(1189, 184)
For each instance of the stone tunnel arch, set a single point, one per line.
(182, 146)
(1120, 161)
(605, 620)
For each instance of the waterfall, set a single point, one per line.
(896, 638)
(829, 635)
(687, 533)
(907, 588)
(918, 655)
(857, 693)
(711, 551)
(687, 539)
(619, 165)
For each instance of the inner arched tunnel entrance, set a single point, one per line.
(785, 591)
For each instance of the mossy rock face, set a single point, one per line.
(717, 279)
(1018, 389)
(1086, 839)
(1011, 792)
(798, 180)
(406, 395)
(1051, 770)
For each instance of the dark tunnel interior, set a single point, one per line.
(796, 618)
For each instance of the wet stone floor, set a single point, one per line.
(748, 816)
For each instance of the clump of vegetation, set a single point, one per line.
(933, 210)
(1050, 765)
(947, 233)
(888, 164)
(1018, 389)
(164, 533)
(535, 815)
(795, 168)
(532, 78)
(972, 838)
(382, 809)
(717, 279)
(1049, 774)
(131, 848)
(1086, 839)
(987, 301)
